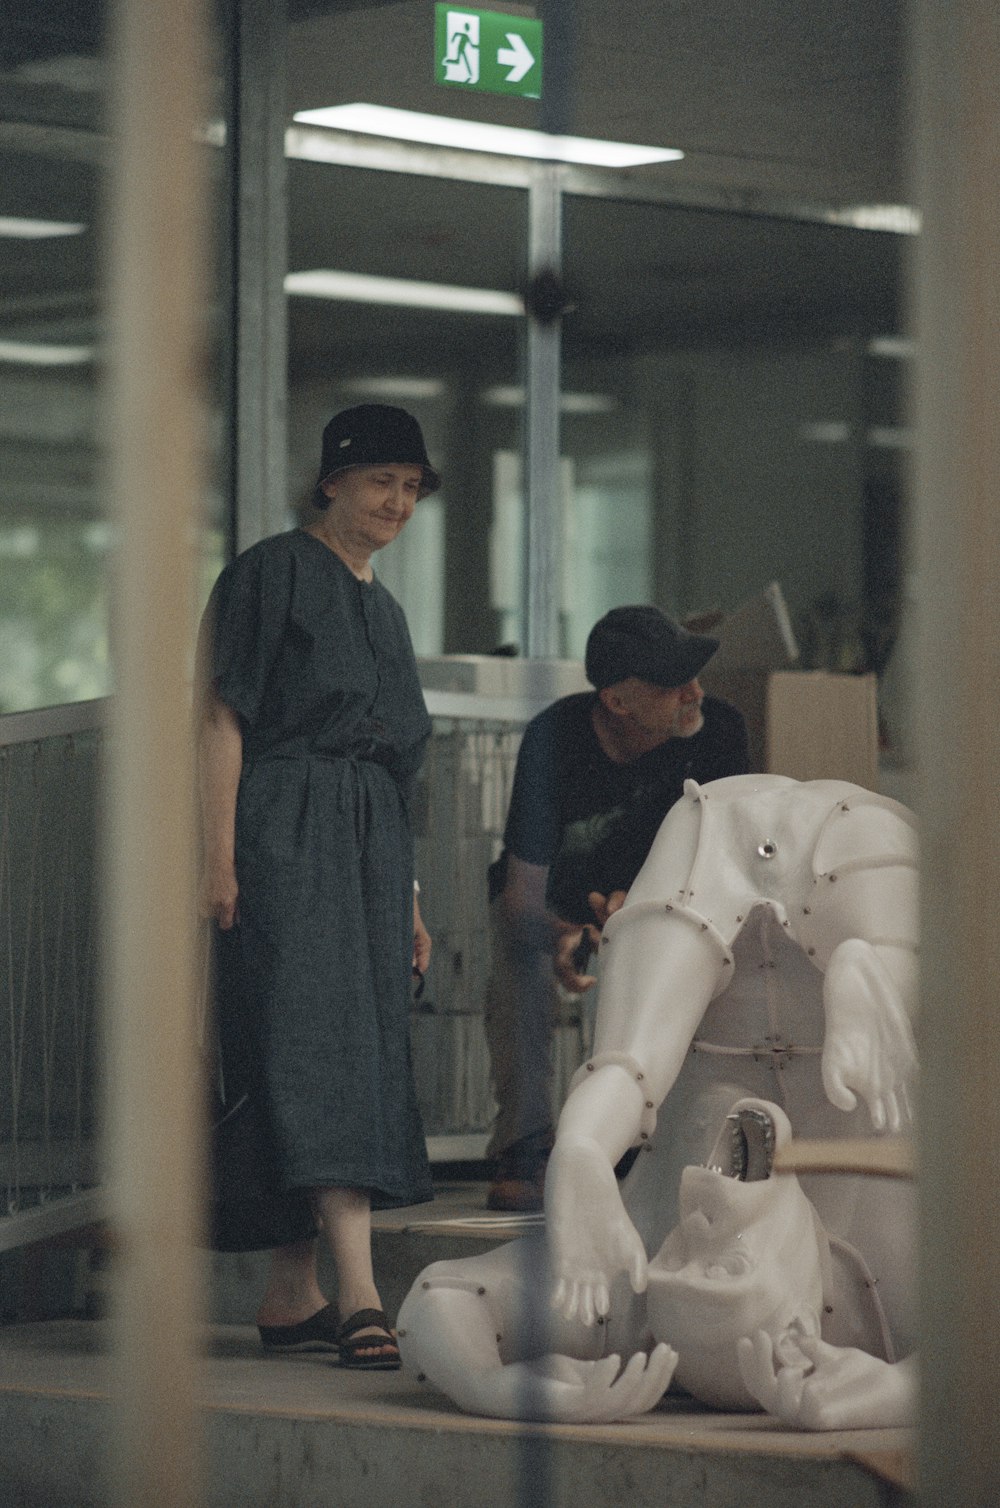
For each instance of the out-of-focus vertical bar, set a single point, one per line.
(543, 517)
(158, 292)
(957, 139)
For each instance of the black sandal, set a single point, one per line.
(358, 1351)
(317, 1333)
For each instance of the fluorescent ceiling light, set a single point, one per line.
(360, 288)
(570, 403)
(826, 432)
(477, 136)
(35, 230)
(25, 353)
(899, 218)
(414, 388)
(898, 346)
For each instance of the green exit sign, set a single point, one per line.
(486, 50)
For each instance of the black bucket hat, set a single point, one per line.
(374, 434)
(643, 642)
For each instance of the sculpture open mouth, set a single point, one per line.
(744, 1256)
(746, 1145)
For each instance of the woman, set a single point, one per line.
(313, 726)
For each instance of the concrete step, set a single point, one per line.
(285, 1432)
(302, 1433)
(404, 1241)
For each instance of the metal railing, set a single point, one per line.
(49, 964)
(51, 944)
(461, 808)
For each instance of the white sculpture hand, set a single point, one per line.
(563, 1390)
(820, 1386)
(591, 1238)
(868, 1049)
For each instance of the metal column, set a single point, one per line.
(958, 744)
(543, 532)
(258, 401)
(159, 289)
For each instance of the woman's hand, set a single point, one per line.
(218, 896)
(421, 941)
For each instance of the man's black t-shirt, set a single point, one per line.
(591, 821)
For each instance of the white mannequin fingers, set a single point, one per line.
(625, 1398)
(868, 1048)
(755, 1354)
(639, 1270)
(837, 1091)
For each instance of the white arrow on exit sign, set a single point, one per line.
(517, 57)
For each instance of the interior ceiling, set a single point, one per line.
(769, 99)
(767, 95)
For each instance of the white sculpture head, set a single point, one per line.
(748, 1255)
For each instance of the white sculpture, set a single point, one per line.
(764, 955)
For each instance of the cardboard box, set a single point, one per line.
(822, 726)
(754, 640)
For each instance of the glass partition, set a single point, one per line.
(363, 336)
(53, 531)
(731, 406)
(56, 539)
(759, 415)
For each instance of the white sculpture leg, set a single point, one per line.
(481, 1330)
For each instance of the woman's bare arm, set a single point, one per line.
(220, 763)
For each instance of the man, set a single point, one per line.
(596, 774)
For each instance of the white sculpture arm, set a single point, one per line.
(658, 973)
(869, 1048)
(449, 1335)
(811, 1385)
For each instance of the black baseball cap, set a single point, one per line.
(375, 434)
(641, 641)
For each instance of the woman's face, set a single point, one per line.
(370, 504)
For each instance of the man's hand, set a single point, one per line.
(571, 949)
(605, 906)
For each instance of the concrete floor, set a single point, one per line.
(302, 1433)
